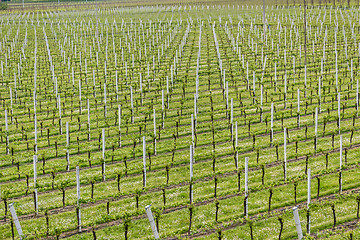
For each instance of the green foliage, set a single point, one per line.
(3, 6)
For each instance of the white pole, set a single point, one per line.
(297, 223)
(195, 107)
(35, 170)
(144, 159)
(78, 185)
(67, 160)
(16, 220)
(152, 222)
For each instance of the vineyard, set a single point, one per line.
(223, 124)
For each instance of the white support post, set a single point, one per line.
(297, 223)
(195, 107)
(16, 220)
(67, 160)
(78, 185)
(152, 222)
